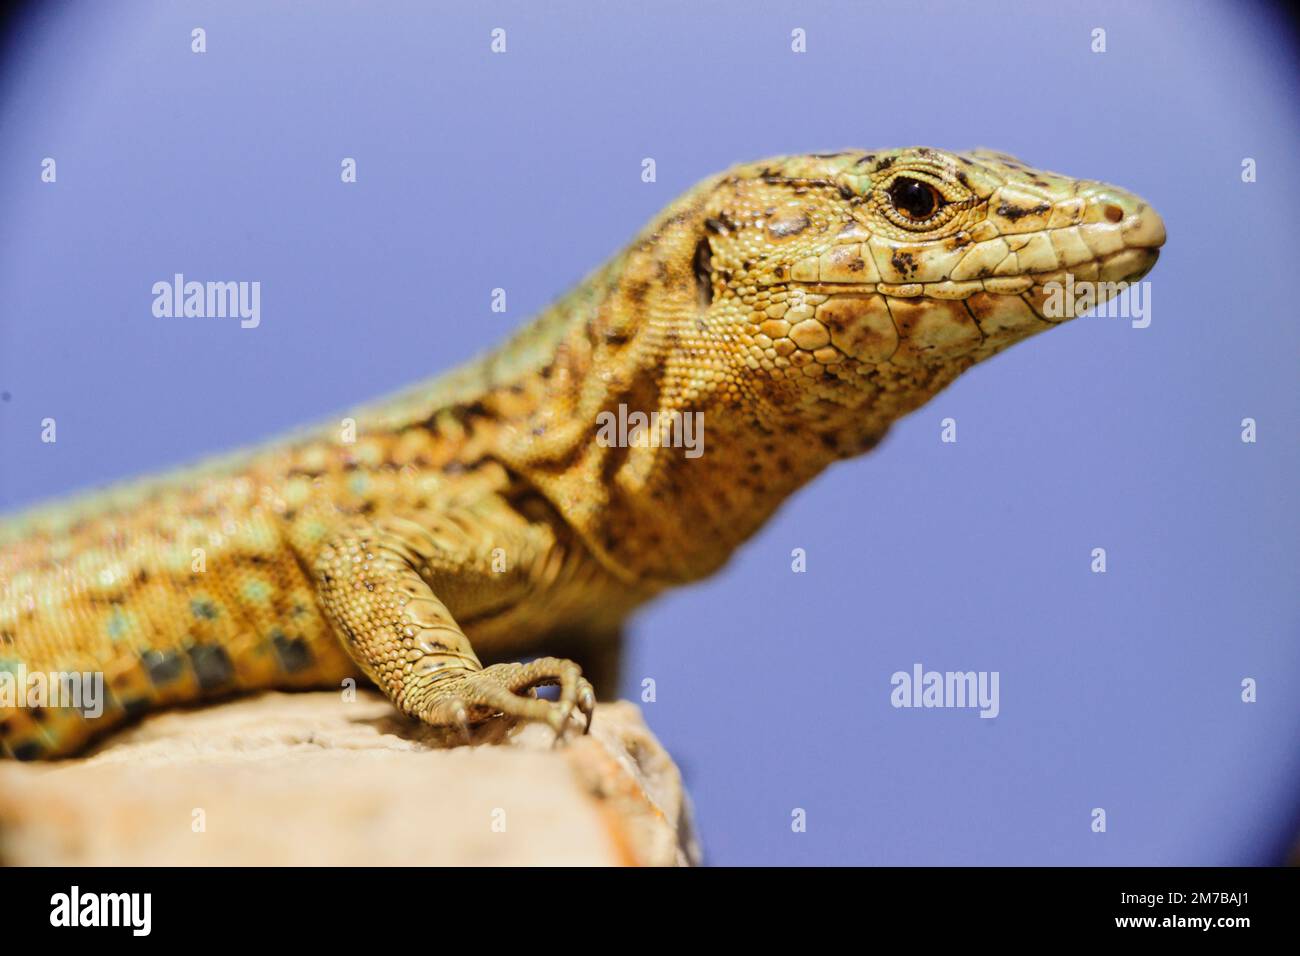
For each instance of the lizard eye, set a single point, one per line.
(914, 199)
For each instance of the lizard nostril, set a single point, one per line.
(1113, 213)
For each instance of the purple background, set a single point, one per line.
(523, 171)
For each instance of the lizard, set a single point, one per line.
(798, 305)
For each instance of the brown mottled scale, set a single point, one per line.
(800, 305)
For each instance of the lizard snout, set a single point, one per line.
(1141, 231)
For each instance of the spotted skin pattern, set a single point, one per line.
(801, 304)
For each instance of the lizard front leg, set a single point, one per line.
(385, 586)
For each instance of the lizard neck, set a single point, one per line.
(670, 501)
(659, 516)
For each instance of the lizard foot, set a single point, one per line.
(506, 689)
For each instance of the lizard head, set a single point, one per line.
(838, 292)
(796, 308)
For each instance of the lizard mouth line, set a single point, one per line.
(1125, 265)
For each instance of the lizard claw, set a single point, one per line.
(587, 704)
(507, 689)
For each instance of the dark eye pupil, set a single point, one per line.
(913, 198)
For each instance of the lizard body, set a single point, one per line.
(799, 305)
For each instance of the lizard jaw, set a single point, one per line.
(1126, 265)
(911, 323)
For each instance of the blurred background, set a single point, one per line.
(523, 171)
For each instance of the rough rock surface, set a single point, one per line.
(313, 779)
